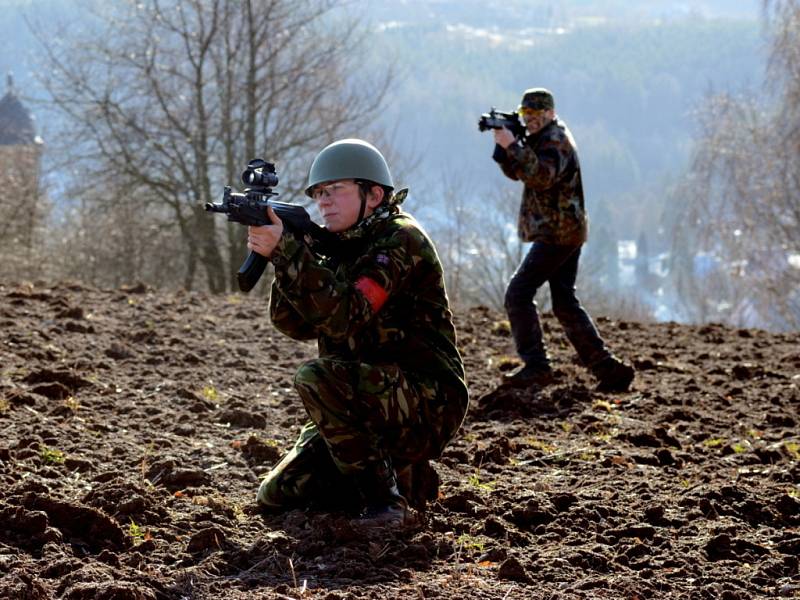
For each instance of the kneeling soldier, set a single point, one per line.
(387, 392)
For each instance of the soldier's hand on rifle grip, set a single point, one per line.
(503, 137)
(264, 239)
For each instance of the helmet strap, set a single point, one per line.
(363, 207)
(364, 188)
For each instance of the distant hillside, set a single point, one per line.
(626, 79)
(549, 13)
(627, 90)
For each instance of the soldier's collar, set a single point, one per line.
(398, 197)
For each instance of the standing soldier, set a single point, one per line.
(387, 392)
(553, 217)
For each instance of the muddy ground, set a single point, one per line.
(135, 425)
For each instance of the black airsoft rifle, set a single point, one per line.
(250, 208)
(497, 119)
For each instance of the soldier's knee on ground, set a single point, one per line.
(307, 477)
(269, 496)
(288, 483)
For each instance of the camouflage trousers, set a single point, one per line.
(360, 414)
(558, 266)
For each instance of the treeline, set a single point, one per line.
(740, 200)
(629, 92)
(158, 115)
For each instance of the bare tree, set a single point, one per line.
(137, 243)
(492, 249)
(741, 200)
(166, 101)
(480, 250)
(452, 216)
(21, 209)
(477, 241)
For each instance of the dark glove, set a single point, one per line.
(499, 155)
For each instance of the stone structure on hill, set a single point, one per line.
(21, 201)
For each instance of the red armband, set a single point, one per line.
(373, 292)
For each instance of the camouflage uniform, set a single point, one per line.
(552, 209)
(389, 381)
(553, 217)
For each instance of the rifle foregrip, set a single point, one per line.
(251, 270)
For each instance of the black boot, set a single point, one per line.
(613, 375)
(528, 375)
(384, 506)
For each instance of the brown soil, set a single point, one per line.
(134, 427)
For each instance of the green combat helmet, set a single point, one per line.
(349, 159)
(537, 99)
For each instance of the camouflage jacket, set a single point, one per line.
(552, 208)
(382, 301)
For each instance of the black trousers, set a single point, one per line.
(558, 266)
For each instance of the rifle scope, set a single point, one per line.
(260, 173)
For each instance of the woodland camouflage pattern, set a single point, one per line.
(388, 381)
(552, 209)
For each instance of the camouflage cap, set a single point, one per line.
(537, 98)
